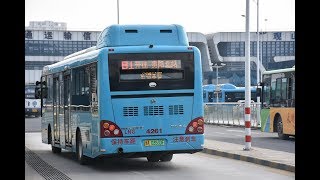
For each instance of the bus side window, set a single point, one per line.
(278, 89)
(290, 91)
(86, 89)
(284, 89)
(79, 97)
(210, 98)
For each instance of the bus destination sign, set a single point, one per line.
(151, 64)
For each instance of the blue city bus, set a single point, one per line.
(228, 93)
(137, 93)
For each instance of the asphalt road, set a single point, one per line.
(32, 124)
(259, 139)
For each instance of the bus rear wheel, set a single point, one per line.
(166, 157)
(153, 157)
(50, 141)
(280, 129)
(79, 150)
(55, 149)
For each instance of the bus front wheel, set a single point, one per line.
(280, 129)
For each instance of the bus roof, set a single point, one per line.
(279, 70)
(136, 35)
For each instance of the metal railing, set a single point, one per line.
(230, 114)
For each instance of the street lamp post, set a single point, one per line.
(258, 65)
(217, 66)
(258, 44)
(247, 105)
(244, 17)
(258, 59)
(118, 11)
(263, 40)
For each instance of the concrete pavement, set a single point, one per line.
(266, 157)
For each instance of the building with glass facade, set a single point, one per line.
(276, 51)
(48, 42)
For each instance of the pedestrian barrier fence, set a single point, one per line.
(230, 113)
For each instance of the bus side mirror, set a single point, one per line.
(37, 92)
(44, 92)
(41, 92)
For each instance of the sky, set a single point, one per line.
(205, 16)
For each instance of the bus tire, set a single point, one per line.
(54, 149)
(280, 129)
(49, 135)
(153, 157)
(79, 150)
(166, 157)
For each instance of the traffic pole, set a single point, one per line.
(247, 83)
(258, 67)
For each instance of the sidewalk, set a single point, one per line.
(266, 157)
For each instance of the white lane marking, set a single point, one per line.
(226, 134)
(220, 133)
(242, 131)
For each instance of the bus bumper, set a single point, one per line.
(176, 144)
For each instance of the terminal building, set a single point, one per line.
(47, 42)
(276, 51)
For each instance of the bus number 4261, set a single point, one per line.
(154, 131)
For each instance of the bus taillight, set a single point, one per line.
(109, 129)
(196, 126)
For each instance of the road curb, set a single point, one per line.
(263, 162)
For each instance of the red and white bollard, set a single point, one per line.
(247, 128)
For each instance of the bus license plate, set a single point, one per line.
(34, 110)
(154, 142)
